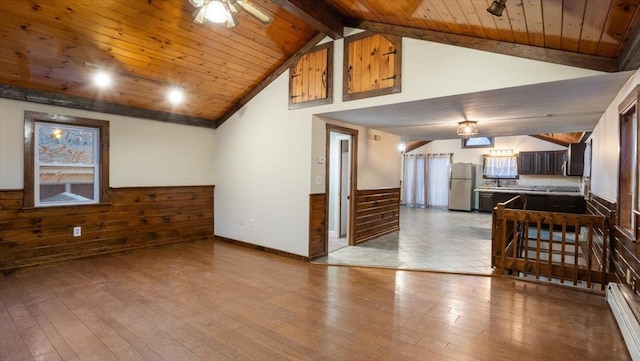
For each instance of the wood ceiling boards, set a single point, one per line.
(153, 44)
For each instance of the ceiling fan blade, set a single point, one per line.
(232, 20)
(197, 3)
(255, 11)
(199, 15)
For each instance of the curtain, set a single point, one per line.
(426, 180)
(439, 177)
(501, 167)
(414, 180)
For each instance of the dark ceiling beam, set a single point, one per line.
(523, 51)
(317, 14)
(273, 76)
(69, 101)
(415, 145)
(630, 57)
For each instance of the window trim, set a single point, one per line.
(629, 107)
(30, 119)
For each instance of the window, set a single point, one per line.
(477, 142)
(66, 160)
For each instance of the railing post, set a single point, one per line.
(499, 235)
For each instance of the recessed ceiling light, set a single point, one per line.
(102, 79)
(175, 96)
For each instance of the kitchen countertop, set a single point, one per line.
(525, 190)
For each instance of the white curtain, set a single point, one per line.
(501, 167)
(426, 180)
(439, 177)
(414, 180)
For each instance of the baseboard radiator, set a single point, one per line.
(627, 322)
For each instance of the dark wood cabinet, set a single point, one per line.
(535, 202)
(544, 162)
(567, 204)
(485, 200)
(558, 161)
(526, 163)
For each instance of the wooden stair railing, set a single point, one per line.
(548, 245)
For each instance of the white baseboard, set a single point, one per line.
(627, 322)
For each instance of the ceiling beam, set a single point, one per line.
(273, 76)
(630, 57)
(415, 145)
(523, 51)
(563, 139)
(317, 14)
(69, 101)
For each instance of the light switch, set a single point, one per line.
(318, 179)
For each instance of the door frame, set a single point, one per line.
(353, 178)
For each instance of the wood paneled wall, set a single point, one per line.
(377, 213)
(624, 252)
(135, 218)
(317, 225)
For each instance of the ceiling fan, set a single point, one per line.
(224, 11)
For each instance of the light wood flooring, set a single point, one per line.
(218, 301)
(431, 239)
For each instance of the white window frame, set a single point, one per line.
(95, 166)
(101, 174)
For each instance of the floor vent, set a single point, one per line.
(627, 322)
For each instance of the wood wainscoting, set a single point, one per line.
(377, 212)
(624, 251)
(136, 218)
(317, 225)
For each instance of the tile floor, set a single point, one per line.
(429, 239)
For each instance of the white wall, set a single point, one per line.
(142, 152)
(606, 147)
(522, 143)
(265, 155)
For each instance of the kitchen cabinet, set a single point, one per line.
(575, 159)
(485, 201)
(558, 161)
(526, 163)
(567, 204)
(535, 202)
(543, 162)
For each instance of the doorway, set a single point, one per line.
(341, 186)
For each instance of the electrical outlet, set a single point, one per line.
(628, 276)
(77, 231)
(253, 222)
(242, 222)
(634, 286)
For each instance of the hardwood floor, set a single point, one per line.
(218, 301)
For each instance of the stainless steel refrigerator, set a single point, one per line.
(461, 186)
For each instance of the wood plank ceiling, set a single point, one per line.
(151, 45)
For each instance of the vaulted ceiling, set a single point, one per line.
(49, 48)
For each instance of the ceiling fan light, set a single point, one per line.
(216, 12)
(497, 7)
